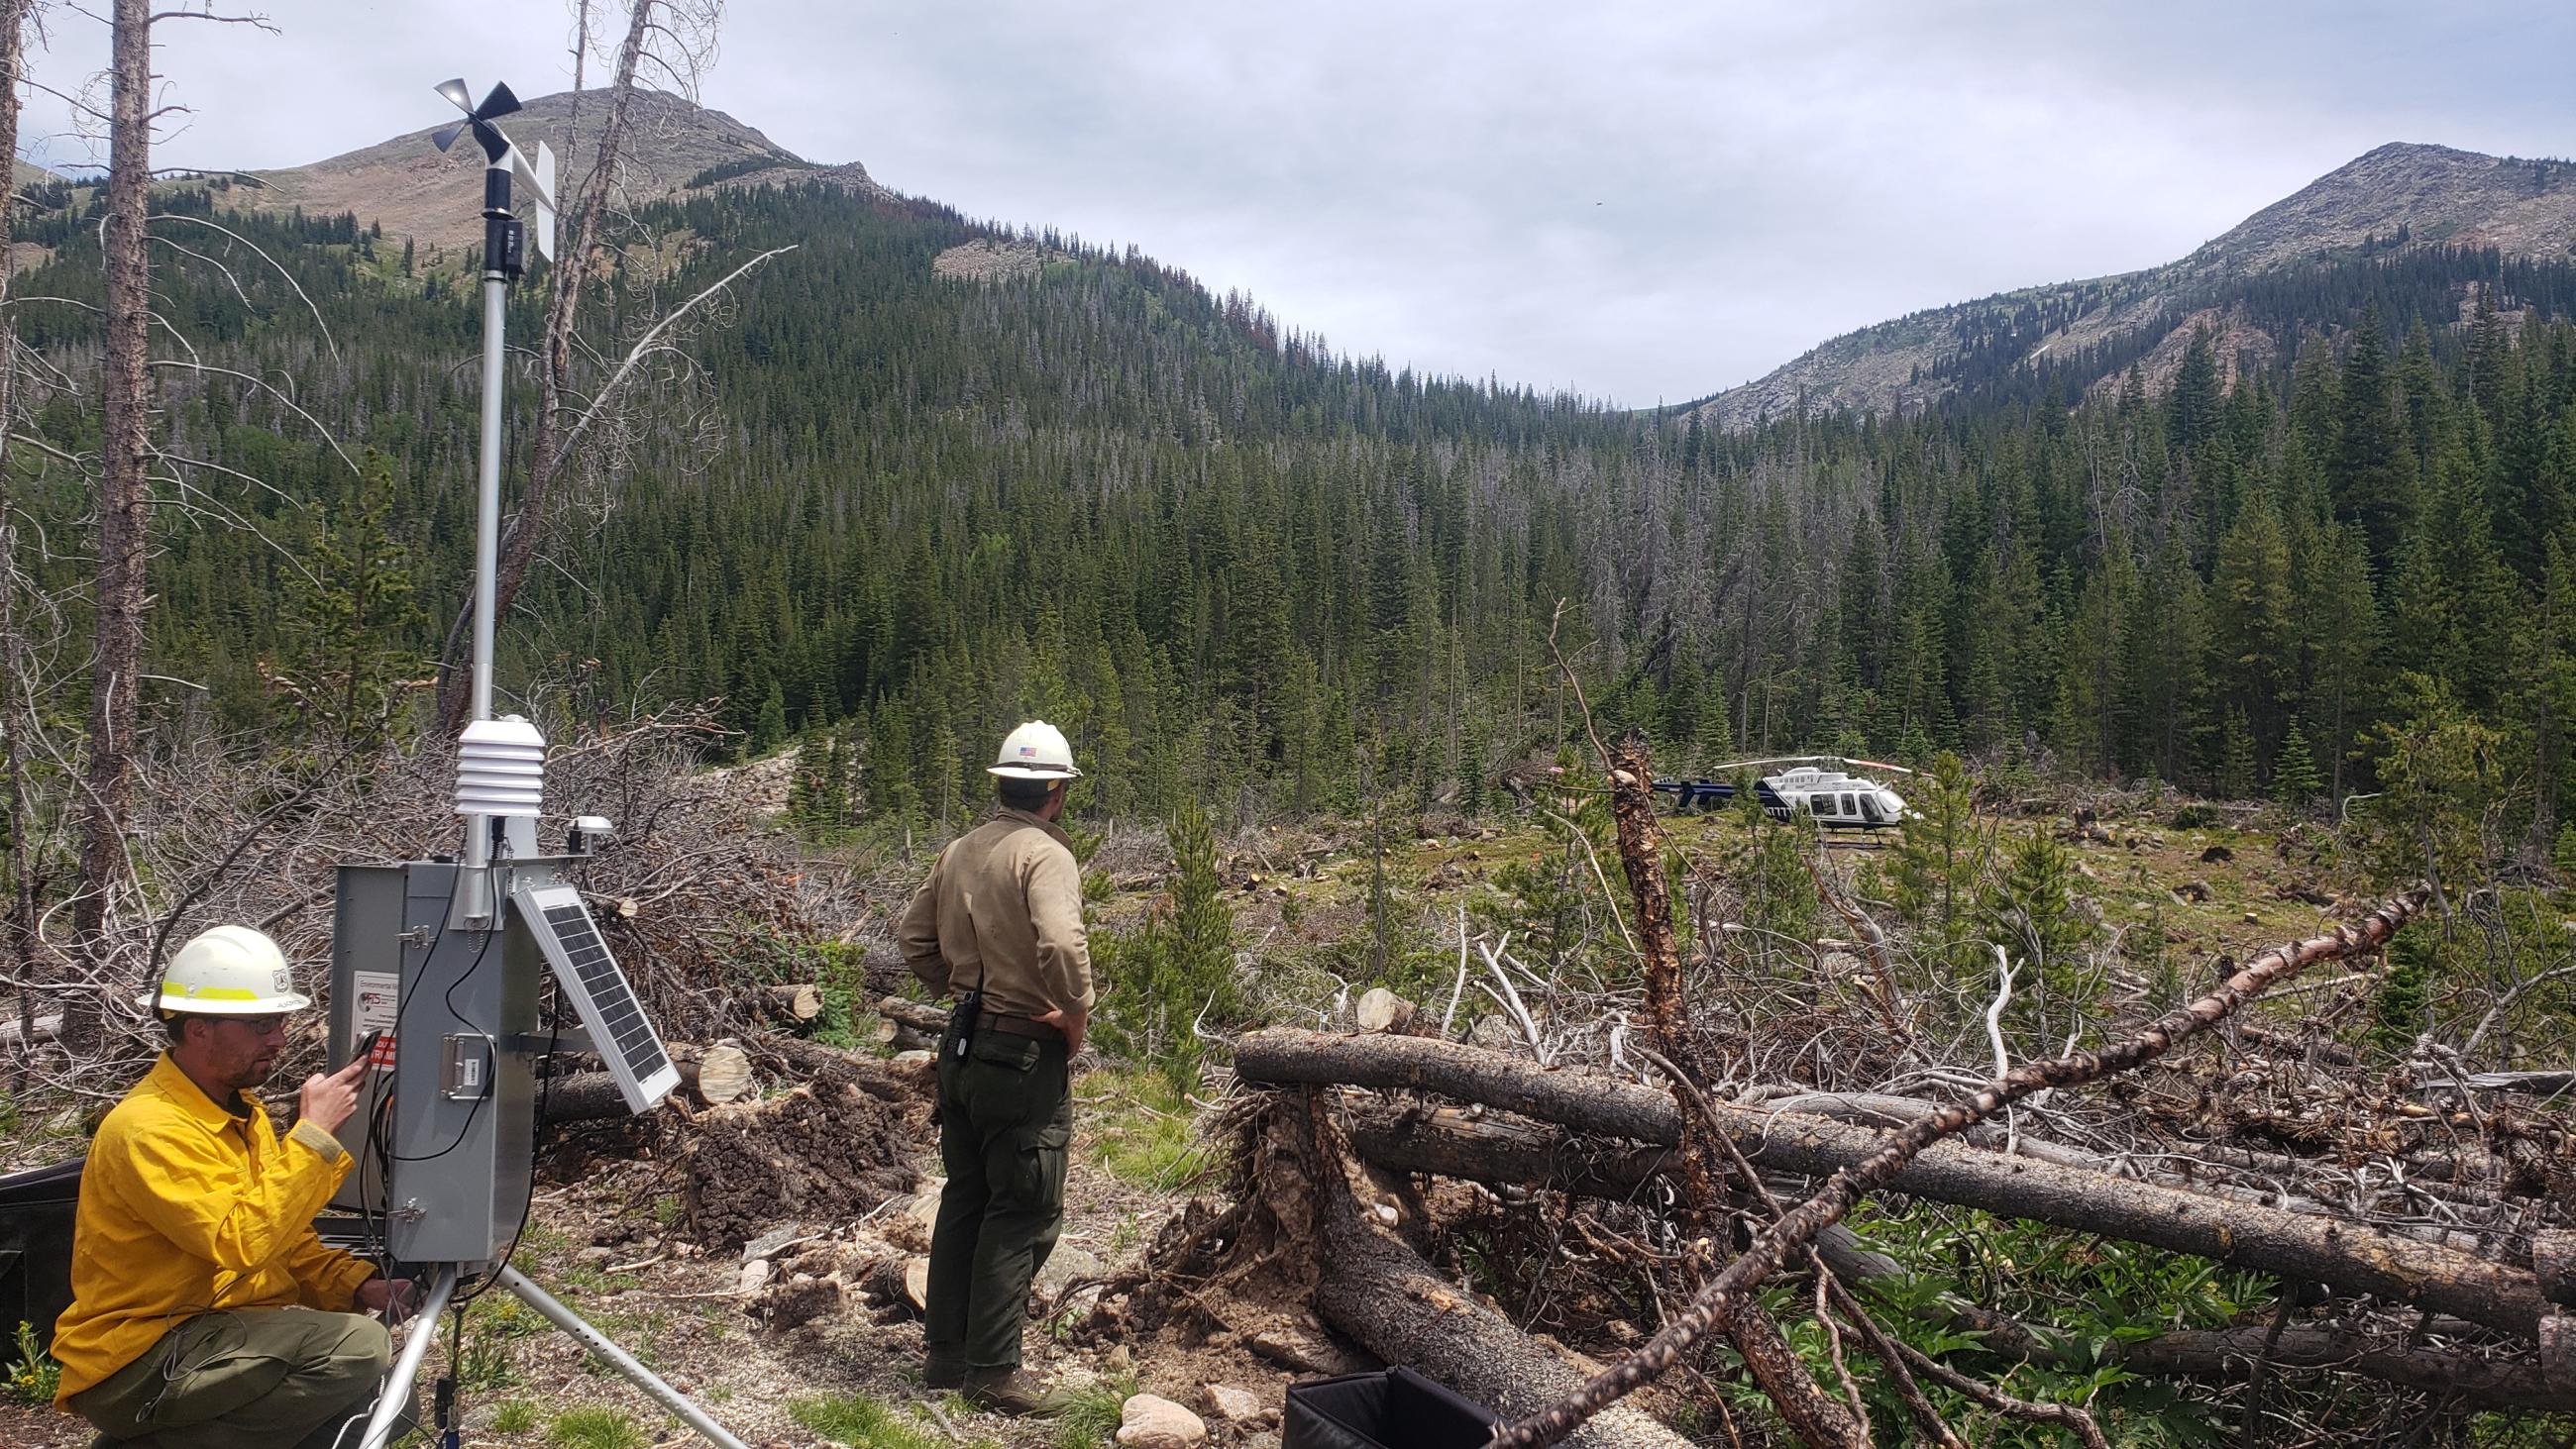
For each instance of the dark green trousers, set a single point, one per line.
(248, 1378)
(1005, 1124)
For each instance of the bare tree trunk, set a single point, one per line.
(519, 542)
(121, 601)
(18, 912)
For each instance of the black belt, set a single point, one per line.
(1028, 1026)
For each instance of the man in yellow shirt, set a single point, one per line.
(205, 1313)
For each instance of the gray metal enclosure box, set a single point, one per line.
(447, 1166)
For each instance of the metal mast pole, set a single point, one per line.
(497, 249)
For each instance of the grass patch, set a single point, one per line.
(1145, 1130)
(864, 1423)
(1093, 1419)
(517, 1416)
(596, 1429)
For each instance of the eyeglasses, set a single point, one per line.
(260, 1025)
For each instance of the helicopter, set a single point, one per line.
(1836, 800)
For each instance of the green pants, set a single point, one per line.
(249, 1378)
(1005, 1122)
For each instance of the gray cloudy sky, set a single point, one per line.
(1640, 202)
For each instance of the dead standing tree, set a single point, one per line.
(20, 873)
(125, 409)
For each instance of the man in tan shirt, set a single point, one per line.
(999, 923)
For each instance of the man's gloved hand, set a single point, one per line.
(391, 1299)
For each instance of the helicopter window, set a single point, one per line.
(1847, 807)
(1869, 808)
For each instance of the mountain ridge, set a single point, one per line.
(414, 190)
(2397, 196)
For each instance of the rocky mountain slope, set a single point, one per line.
(414, 190)
(2395, 198)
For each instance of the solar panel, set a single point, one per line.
(600, 993)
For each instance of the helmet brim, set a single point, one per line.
(1034, 772)
(198, 1006)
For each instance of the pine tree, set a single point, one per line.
(2369, 472)
(1940, 858)
(2295, 781)
(2033, 915)
(2236, 768)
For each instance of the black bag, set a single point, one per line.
(37, 1210)
(1394, 1409)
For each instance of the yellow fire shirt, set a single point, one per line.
(186, 1208)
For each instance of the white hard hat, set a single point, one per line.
(1035, 751)
(228, 971)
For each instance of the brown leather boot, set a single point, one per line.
(940, 1372)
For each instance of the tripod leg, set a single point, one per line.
(398, 1382)
(617, 1358)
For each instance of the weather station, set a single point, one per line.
(439, 967)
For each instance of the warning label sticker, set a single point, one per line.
(374, 1003)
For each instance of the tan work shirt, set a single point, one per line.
(1002, 911)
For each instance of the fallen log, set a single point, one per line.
(1376, 1288)
(2232, 1353)
(1499, 1148)
(712, 1075)
(1790, 1234)
(46, 1028)
(921, 1016)
(897, 1036)
(2350, 1258)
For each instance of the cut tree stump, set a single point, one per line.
(899, 1280)
(798, 1003)
(1382, 1010)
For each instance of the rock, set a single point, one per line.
(1118, 1360)
(1493, 1033)
(2192, 890)
(1149, 1422)
(2216, 854)
(1235, 1406)
(1063, 1266)
(754, 1276)
(768, 1243)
